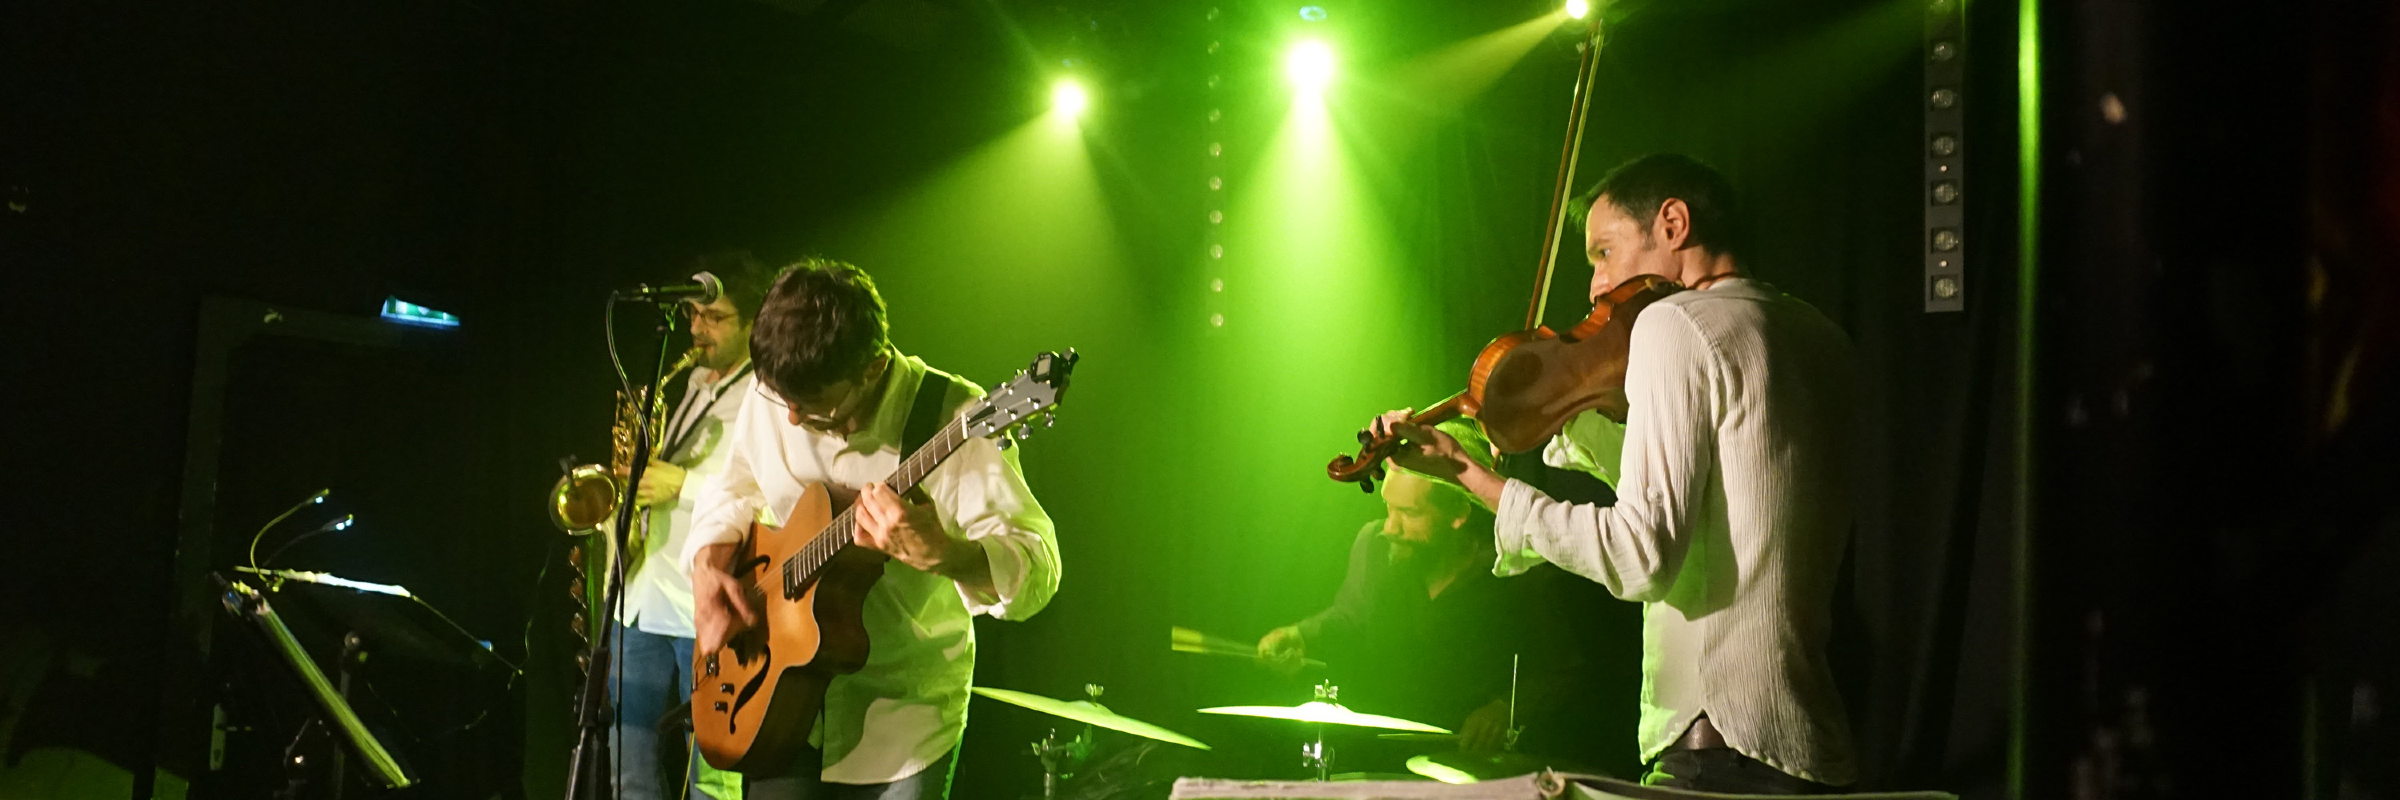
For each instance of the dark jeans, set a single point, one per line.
(933, 783)
(1723, 770)
(653, 678)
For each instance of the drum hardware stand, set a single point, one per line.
(1070, 753)
(1514, 731)
(1315, 754)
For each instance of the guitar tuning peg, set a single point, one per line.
(1025, 432)
(1050, 420)
(1006, 442)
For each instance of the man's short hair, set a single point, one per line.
(1641, 186)
(745, 277)
(820, 323)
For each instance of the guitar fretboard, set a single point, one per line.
(802, 567)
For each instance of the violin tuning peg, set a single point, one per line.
(1367, 485)
(1364, 437)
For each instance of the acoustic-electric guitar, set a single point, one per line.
(754, 701)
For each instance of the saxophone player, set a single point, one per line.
(656, 616)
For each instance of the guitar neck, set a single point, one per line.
(844, 528)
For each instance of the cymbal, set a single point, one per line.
(1089, 712)
(1457, 767)
(1327, 713)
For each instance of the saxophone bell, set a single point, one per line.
(586, 497)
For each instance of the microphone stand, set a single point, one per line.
(588, 771)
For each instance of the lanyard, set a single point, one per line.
(717, 392)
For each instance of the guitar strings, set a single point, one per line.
(804, 565)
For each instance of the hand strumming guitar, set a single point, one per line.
(912, 534)
(720, 608)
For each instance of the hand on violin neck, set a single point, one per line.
(1426, 450)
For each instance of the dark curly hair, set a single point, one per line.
(822, 322)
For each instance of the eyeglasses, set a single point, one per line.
(854, 394)
(837, 412)
(715, 317)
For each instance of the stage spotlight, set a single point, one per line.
(1576, 9)
(1310, 65)
(1068, 99)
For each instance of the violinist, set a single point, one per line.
(1732, 472)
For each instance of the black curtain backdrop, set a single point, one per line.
(509, 162)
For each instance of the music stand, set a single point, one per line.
(246, 603)
(396, 622)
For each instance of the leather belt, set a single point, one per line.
(1702, 735)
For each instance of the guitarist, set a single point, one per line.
(833, 403)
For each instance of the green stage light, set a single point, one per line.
(1310, 65)
(1576, 9)
(1068, 99)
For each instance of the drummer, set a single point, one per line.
(1420, 629)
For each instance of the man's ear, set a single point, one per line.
(1673, 225)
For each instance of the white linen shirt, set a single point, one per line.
(658, 599)
(1733, 508)
(908, 706)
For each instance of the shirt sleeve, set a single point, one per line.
(981, 496)
(728, 500)
(1633, 548)
(1352, 607)
(1591, 444)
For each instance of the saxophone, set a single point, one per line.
(587, 495)
(585, 499)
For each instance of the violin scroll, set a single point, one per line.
(1366, 468)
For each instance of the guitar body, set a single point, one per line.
(754, 702)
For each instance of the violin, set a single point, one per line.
(1526, 385)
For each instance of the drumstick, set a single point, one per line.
(1187, 640)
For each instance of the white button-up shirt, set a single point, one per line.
(908, 706)
(1733, 507)
(658, 599)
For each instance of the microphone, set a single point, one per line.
(704, 289)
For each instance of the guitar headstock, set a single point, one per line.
(1034, 392)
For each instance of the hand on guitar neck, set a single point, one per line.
(909, 532)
